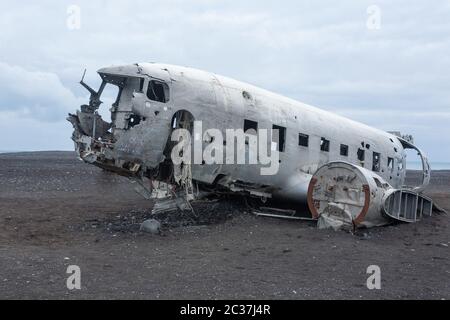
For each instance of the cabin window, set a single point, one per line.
(360, 154)
(158, 91)
(303, 139)
(324, 144)
(279, 137)
(250, 125)
(376, 162)
(344, 150)
(390, 163)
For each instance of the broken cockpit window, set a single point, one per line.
(141, 85)
(158, 91)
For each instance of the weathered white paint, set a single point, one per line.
(223, 103)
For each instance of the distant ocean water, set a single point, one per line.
(412, 165)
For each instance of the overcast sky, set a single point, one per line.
(387, 66)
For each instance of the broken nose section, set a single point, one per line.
(93, 125)
(94, 142)
(90, 134)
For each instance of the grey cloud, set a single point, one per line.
(319, 52)
(34, 94)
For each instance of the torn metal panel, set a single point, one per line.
(94, 128)
(171, 204)
(279, 213)
(407, 143)
(406, 205)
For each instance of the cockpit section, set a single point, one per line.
(134, 140)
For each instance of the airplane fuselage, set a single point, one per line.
(151, 96)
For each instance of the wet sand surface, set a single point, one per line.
(56, 211)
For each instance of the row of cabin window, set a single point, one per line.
(303, 140)
(279, 139)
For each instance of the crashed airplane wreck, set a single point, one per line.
(346, 174)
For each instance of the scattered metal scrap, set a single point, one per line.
(280, 213)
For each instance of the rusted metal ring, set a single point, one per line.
(362, 214)
(310, 200)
